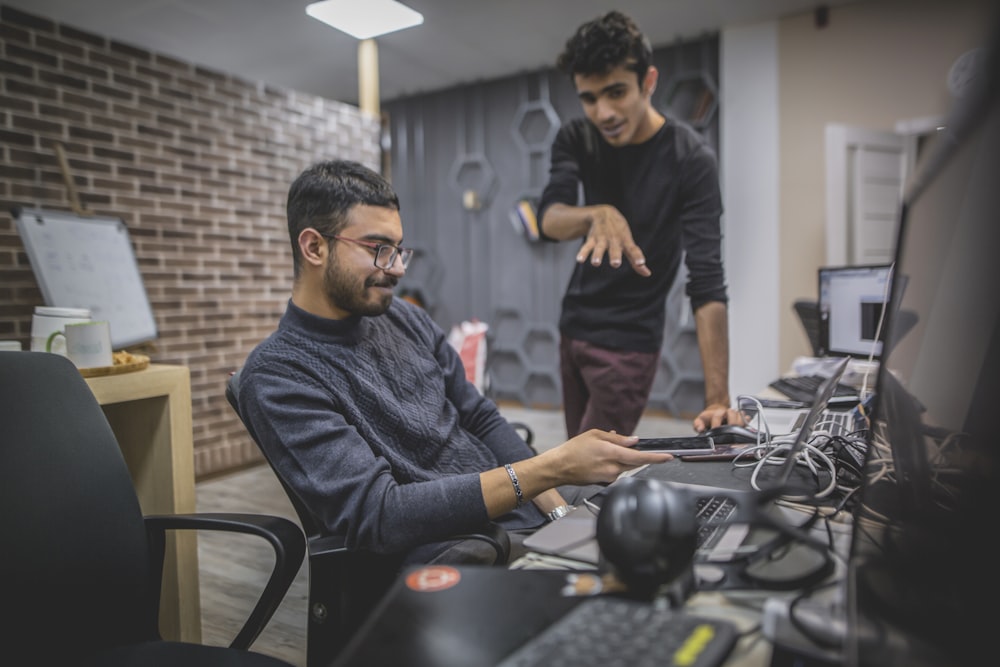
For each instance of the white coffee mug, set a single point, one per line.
(88, 344)
(48, 319)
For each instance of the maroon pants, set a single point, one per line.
(602, 388)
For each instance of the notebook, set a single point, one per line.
(574, 537)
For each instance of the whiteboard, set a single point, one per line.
(88, 262)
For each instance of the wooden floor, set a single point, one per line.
(234, 568)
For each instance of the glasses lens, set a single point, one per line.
(386, 255)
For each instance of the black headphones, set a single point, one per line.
(647, 533)
(646, 530)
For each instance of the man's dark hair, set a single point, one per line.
(323, 195)
(600, 45)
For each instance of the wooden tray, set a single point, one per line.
(141, 362)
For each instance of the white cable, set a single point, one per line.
(773, 457)
(760, 419)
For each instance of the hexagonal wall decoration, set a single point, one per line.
(474, 173)
(693, 98)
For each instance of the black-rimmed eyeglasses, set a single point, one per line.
(385, 253)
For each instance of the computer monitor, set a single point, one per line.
(851, 303)
(922, 574)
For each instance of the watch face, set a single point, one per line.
(964, 71)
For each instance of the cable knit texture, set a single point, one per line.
(371, 421)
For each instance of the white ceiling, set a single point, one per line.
(460, 41)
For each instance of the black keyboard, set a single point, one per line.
(803, 388)
(603, 631)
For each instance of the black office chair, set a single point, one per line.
(345, 585)
(82, 566)
(808, 312)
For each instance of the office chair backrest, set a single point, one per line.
(309, 524)
(808, 312)
(76, 562)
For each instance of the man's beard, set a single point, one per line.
(343, 291)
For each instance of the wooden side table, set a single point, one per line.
(150, 413)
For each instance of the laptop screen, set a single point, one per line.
(851, 304)
(922, 564)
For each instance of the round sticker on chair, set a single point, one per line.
(433, 578)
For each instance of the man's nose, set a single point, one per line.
(604, 109)
(397, 268)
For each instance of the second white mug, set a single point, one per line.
(88, 344)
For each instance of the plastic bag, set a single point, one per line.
(469, 339)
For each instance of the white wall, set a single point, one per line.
(874, 65)
(748, 74)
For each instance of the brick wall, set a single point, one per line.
(196, 162)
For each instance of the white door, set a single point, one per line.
(865, 172)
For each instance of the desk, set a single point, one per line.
(150, 414)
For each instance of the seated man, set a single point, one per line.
(364, 408)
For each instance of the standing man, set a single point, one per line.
(651, 196)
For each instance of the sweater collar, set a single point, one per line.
(321, 328)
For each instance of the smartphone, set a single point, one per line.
(682, 446)
(723, 452)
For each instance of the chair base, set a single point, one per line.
(341, 597)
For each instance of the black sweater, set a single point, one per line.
(668, 190)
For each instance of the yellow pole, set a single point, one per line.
(368, 97)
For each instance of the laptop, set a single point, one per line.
(851, 307)
(836, 417)
(717, 485)
(444, 616)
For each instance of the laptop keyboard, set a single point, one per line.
(836, 422)
(712, 513)
(602, 631)
(803, 388)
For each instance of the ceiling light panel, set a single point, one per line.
(366, 19)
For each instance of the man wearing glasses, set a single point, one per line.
(364, 408)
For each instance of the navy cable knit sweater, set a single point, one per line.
(373, 424)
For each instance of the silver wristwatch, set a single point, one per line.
(558, 512)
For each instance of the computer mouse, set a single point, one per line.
(730, 434)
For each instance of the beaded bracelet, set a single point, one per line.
(517, 485)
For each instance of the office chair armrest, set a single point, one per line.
(285, 537)
(495, 536)
(320, 545)
(526, 433)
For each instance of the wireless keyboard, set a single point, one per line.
(604, 630)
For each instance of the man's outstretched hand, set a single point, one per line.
(610, 234)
